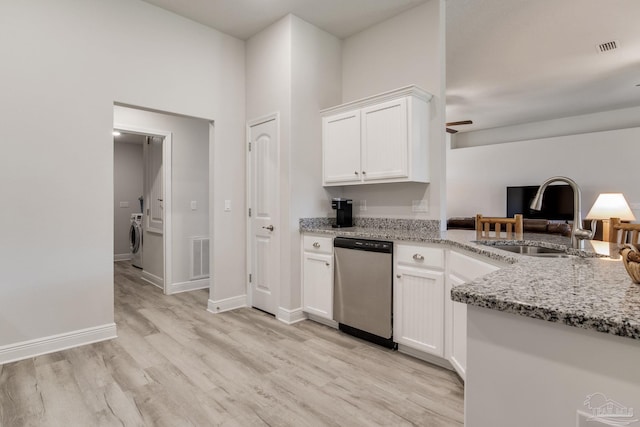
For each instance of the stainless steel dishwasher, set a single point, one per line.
(363, 289)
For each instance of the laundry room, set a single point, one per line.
(128, 188)
(161, 200)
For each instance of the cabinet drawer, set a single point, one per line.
(420, 256)
(318, 244)
(467, 267)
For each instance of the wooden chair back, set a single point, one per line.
(513, 227)
(621, 232)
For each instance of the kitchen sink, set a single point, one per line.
(537, 251)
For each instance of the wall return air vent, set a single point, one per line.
(608, 46)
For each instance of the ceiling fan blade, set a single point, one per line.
(452, 131)
(463, 122)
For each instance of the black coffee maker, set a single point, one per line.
(344, 216)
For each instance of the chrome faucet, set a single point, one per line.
(577, 232)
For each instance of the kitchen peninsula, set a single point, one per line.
(543, 334)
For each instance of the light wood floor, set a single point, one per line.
(175, 364)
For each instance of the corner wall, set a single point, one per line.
(406, 49)
(62, 72)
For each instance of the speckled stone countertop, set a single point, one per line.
(586, 290)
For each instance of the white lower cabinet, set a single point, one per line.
(317, 276)
(461, 269)
(418, 315)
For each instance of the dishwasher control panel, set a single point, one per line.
(363, 244)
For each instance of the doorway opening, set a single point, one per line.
(174, 200)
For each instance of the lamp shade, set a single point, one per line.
(611, 205)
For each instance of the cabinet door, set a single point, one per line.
(341, 148)
(318, 284)
(385, 141)
(419, 309)
(459, 332)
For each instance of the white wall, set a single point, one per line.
(127, 187)
(407, 49)
(530, 373)
(477, 177)
(189, 182)
(316, 83)
(294, 68)
(62, 71)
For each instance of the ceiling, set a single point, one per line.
(521, 61)
(508, 62)
(244, 18)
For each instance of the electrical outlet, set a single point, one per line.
(363, 205)
(420, 206)
(194, 205)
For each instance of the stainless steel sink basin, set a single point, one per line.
(537, 251)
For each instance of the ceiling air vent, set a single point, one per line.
(608, 46)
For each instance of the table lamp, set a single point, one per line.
(609, 205)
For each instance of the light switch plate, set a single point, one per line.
(227, 205)
(124, 204)
(194, 205)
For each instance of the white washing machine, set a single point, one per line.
(135, 240)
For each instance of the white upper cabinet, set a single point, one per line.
(379, 139)
(341, 143)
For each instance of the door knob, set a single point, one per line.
(270, 228)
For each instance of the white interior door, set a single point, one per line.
(264, 218)
(155, 199)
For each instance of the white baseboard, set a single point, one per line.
(153, 279)
(430, 358)
(121, 257)
(53, 343)
(191, 285)
(227, 304)
(291, 316)
(327, 322)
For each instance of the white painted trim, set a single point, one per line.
(411, 90)
(168, 210)
(327, 322)
(227, 304)
(190, 285)
(53, 343)
(122, 257)
(291, 316)
(153, 279)
(167, 234)
(430, 358)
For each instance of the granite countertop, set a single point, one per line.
(586, 290)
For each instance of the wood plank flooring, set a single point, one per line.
(175, 364)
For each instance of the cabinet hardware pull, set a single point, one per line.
(356, 172)
(316, 245)
(398, 276)
(418, 257)
(364, 172)
(270, 228)
(327, 264)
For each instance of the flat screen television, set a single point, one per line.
(557, 203)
